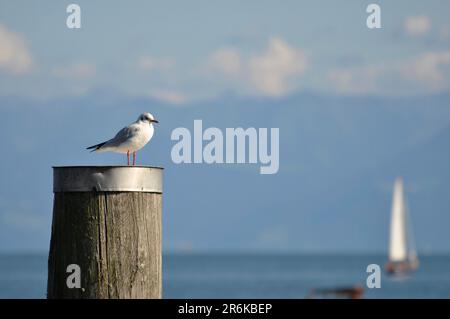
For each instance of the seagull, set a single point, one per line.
(130, 139)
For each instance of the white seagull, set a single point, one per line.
(129, 139)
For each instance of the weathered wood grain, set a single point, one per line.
(115, 238)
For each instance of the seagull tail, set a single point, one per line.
(96, 147)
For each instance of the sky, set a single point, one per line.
(184, 51)
(355, 106)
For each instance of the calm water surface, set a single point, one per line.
(251, 276)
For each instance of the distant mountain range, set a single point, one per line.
(338, 159)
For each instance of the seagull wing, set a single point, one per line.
(123, 135)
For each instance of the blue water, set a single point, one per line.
(251, 276)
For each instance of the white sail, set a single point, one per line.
(398, 250)
(412, 253)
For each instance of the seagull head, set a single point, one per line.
(148, 118)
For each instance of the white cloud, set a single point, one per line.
(431, 70)
(169, 96)
(226, 61)
(150, 63)
(273, 72)
(14, 54)
(75, 71)
(355, 80)
(417, 26)
(426, 73)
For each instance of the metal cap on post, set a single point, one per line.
(106, 232)
(107, 179)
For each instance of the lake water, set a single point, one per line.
(251, 276)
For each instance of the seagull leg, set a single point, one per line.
(134, 158)
(128, 158)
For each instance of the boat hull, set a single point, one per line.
(398, 268)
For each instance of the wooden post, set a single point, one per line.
(107, 221)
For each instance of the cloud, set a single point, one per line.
(150, 63)
(430, 70)
(273, 72)
(355, 80)
(425, 73)
(226, 61)
(168, 96)
(75, 71)
(417, 26)
(14, 54)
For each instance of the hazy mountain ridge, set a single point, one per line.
(338, 156)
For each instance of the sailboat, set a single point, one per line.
(402, 253)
